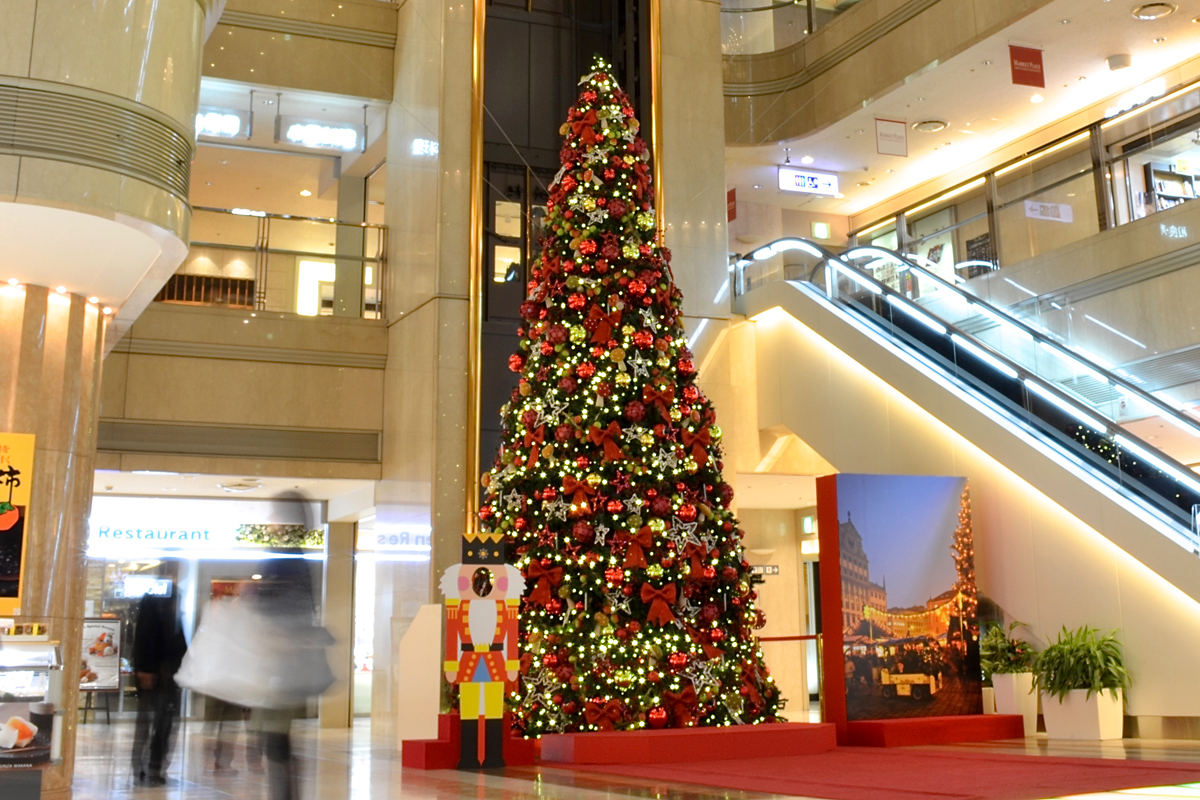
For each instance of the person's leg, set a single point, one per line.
(280, 777)
(141, 734)
(162, 726)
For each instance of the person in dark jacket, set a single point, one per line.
(158, 650)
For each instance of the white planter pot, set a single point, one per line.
(1015, 695)
(1100, 716)
(989, 700)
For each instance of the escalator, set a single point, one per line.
(1077, 412)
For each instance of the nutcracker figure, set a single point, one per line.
(483, 596)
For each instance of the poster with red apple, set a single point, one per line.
(16, 479)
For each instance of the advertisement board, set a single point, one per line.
(100, 670)
(898, 597)
(16, 485)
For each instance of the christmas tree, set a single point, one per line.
(640, 608)
(963, 550)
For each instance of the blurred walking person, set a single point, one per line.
(283, 598)
(158, 650)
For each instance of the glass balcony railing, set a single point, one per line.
(1090, 413)
(749, 27)
(243, 258)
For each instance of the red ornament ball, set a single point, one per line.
(556, 334)
(582, 531)
(635, 411)
(660, 506)
(547, 348)
(585, 370)
(643, 339)
(614, 506)
(583, 462)
(657, 717)
(614, 574)
(637, 288)
(691, 394)
(576, 301)
(687, 512)
(686, 367)
(516, 362)
(677, 660)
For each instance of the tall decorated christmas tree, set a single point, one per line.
(639, 610)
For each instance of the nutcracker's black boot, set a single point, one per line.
(494, 744)
(469, 747)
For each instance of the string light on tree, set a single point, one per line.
(640, 608)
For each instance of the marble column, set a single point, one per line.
(337, 609)
(49, 386)
(425, 440)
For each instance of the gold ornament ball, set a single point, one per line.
(525, 389)
(594, 480)
(634, 522)
(657, 525)
(714, 431)
(647, 440)
(578, 334)
(676, 415)
(628, 329)
(623, 379)
(630, 250)
(654, 571)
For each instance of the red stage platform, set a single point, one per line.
(934, 730)
(695, 745)
(443, 752)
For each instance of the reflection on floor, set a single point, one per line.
(348, 765)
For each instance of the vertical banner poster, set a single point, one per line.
(1026, 64)
(101, 667)
(16, 480)
(731, 204)
(898, 597)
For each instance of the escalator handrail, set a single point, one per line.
(1002, 317)
(988, 310)
(1177, 471)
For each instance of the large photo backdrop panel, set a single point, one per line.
(898, 597)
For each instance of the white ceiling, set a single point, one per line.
(984, 109)
(87, 254)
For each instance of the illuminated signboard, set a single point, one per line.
(808, 181)
(219, 123)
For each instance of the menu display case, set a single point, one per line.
(31, 681)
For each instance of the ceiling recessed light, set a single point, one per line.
(758, 186)
(890, 170)
(61, 289)
(987, 63)
(1082, 78)
(1064, 22)
(806, 160)
(1148, 11)
(93, 300)
(305, 193)
(861, 131)
(930, 125)
(107, 310)
(1037, 98)
(13, 282)
(863, 183)
(1159, 39)
(839, 195)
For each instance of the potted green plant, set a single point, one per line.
(1008, 662)
(1082, 678)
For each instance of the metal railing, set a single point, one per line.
(292, 263)
(1078, 405)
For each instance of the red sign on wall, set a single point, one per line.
(1026, 65)
(731, 204)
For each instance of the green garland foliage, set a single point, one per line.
(280, 536)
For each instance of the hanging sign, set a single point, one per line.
(731, 204)
(808, 181)
(1026, 63)
(16, 481)
(891, 137)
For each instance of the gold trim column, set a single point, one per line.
(656, 116)
(475, 322)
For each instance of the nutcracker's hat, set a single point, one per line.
(483, 550)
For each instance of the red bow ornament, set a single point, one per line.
(582, 127)
(604, 323)
(680, 706)
(695, 552)
(607, 438)
(579, 491)
(662, 399)
(699, 442)
(546, 578)
(534, 440)
(603, 714)
(638, 544)
(660, 602)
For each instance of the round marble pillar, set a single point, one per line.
(49, 386)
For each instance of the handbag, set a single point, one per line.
(243, 657)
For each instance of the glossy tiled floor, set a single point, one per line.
(347, 765)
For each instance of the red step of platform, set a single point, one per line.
(443, 752)
(689, 744)
(934, 730)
